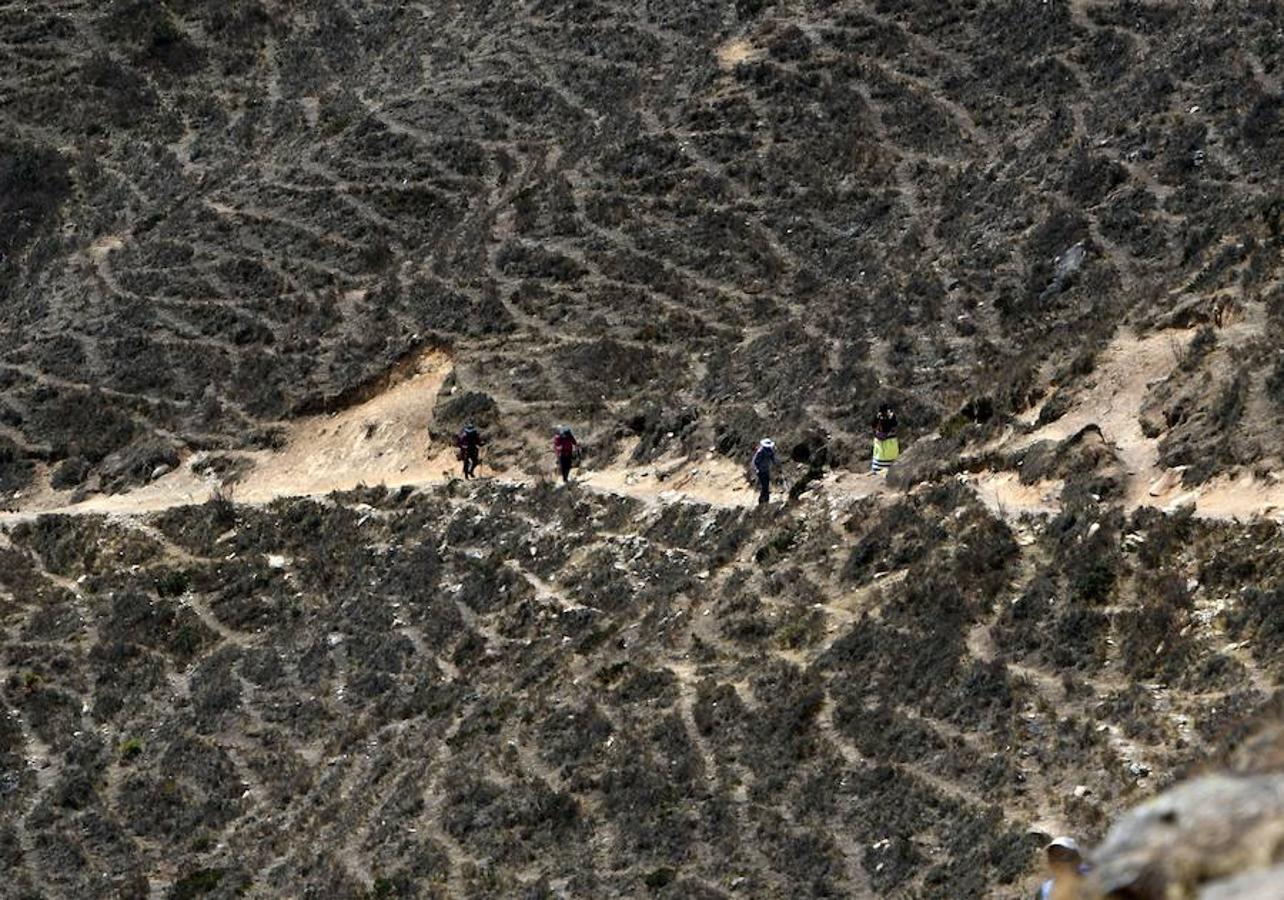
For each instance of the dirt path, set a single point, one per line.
(379, 442)
(1113, 400)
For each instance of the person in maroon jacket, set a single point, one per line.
(470, 443)
(565, 445)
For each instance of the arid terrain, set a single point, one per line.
(259, 261)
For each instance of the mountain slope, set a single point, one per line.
(685, 217)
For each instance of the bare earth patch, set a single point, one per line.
(734, 52)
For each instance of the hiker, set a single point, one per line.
(565, 446)
(886, 446)
(470, 443)
(764, 457)
(1067, 868)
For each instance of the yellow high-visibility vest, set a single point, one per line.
(887, 450)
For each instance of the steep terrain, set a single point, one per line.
(277, 253)
(492, 691)
(685, 222)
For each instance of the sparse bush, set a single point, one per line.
(1228, 408)
(524, 261)
(1092, 177)
(778, 545)
(1197, 350)
(1078, 639)
(124, 91)
(15, 468)
(1057, 234)
(221, 506)
(1092, 570)
(159, 38)
(1152, 644)
(71, 473)
(83, 423)
(137, 463)
(1275, 381)
(1166, 535)
(1264, 124)
(470, 406)
(196, 884)
(1055, 407)
(1259, 615)
(34, 181)
(801, 627)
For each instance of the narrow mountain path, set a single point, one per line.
(379, 439)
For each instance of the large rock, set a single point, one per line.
(137, 464)
(1184, 843)
(1267, 884)
(1065, 267)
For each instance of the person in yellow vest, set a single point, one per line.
(887, 448)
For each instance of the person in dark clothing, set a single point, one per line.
(470, 443)
(565, 446)
(887, 447)
(764, 457)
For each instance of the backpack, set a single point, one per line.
(764, 457)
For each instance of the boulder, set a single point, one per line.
(1192, 837)
(1267, 884)
(135, 464)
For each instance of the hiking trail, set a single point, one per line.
(380, 440)
(1112, 399)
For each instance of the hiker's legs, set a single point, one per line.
(564, 465)
(764, 488)
(470, 464)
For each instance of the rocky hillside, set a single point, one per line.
(684, 221)
(280, 245)
(495, 691)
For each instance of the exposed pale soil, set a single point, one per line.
(387, 439)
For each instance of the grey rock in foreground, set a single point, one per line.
(1264, 885)
(1212, 837)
